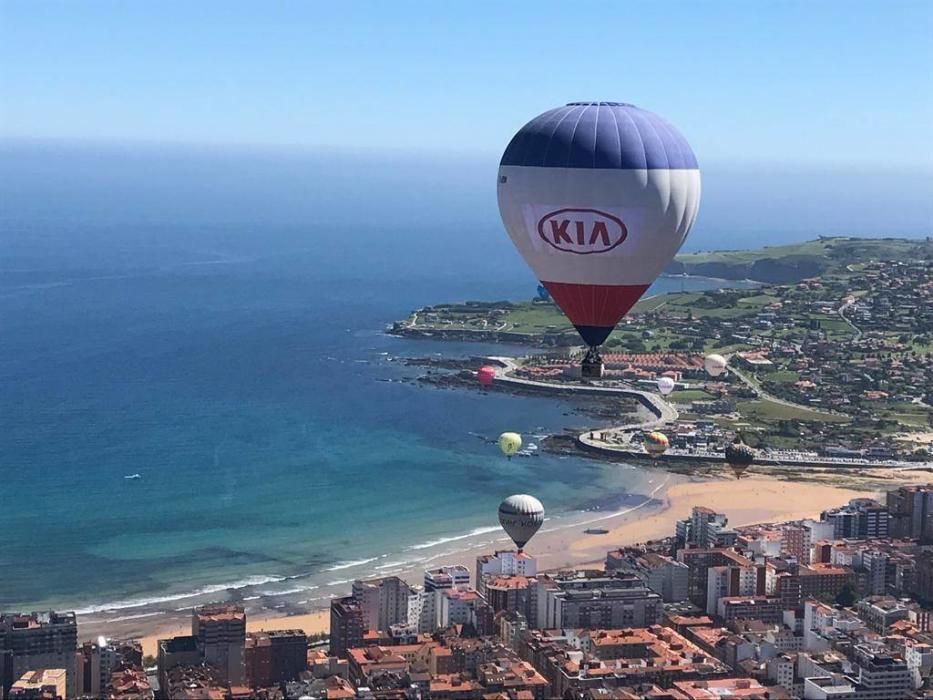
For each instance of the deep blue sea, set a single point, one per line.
(227, 344)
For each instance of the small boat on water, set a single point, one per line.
(133, 477)
(596, 531)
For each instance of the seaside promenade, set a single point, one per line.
(615, 442)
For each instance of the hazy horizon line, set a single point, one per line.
(387, 152)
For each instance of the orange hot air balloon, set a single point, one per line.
(656, 444)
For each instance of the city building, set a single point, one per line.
(42, 684)
(221, 633)
(424, 606)
(43, 640)
(458, 606)
(698, 562)
(824, 581)
(705, 528)
(911, 511)
(861, 518)
(880, 612)
(665, 576)
(346, 625)
(196, 682)
(761, 608)
(618, 658)
(602, 608)
(383, 601)
(96, 662)
(275, 657)
(174, 652)
(881, 675)
(128, 683)
(504, 562)
(730, 581)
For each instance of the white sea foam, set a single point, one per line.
(454, 538)
(289, 591)
(206, 590)
(339, 582)
(350, 564)
(134, 617)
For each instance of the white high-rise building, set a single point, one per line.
(424, 612)
(504, 562)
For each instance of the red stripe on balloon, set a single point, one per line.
(595, 304)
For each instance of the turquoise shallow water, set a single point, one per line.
(223, 338)
(255, 405)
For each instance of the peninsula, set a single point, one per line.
(829, 356)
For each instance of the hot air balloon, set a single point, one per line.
(714, 364)
(521, 516)
(665, 385)
(510, 443)
(656, 444)
(597, 197)
(739, 457)
(485, 375)
(543, 293)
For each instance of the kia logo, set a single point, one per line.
(582, 231)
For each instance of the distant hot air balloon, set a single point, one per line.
(714, 364)
(543, 293)
(598, 197)
(656, 444)
(739, 457)
(665, 385)
(521, 516)
(486, 375)
(510, 443)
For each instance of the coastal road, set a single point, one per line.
(842, 314)
(664, 412)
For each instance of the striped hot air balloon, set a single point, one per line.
(598, 197)
(656, 444)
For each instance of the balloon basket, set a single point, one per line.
(592, 366)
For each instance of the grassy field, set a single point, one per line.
(841, 251)
(813, 248)
(765, 411)
(779, 377)
(691, 395)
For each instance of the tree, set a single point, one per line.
(846, 596)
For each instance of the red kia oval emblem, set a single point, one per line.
(582, 231)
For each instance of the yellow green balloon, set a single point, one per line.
(510, 443)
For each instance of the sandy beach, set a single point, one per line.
(312, 623)
(752, 500)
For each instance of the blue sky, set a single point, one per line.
(827, 83)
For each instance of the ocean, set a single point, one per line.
(234, 356)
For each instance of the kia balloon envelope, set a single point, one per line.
(486, 375)
(598, 197)
(714, 364)
(521, 516)
(665, 385)
(510, 443)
